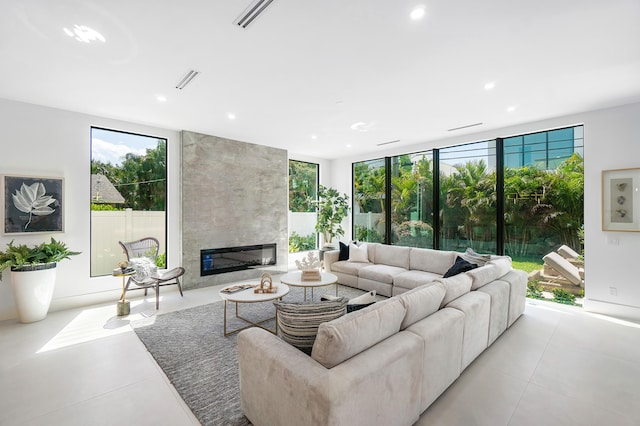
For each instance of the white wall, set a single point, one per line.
(611, 141)
(43, 141)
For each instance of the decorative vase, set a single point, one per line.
(33, 290)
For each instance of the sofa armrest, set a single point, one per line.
(330, 257)
(279, 384)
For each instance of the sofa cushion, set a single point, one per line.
(459, 267)
(503, 264)
(455, 287)
(347, 267)
(344, 251)
(472, 257)
(483, 275)
(421, 302)
(380, 273)
(298, 322)
(358, 253)
(392, 255)
(436, 261)
(347, 336)
(414, 278)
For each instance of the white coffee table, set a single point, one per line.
(248, 296)
(294, 279)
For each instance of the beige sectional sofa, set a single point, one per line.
(392, 270)
(384, 364)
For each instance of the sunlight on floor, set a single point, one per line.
(96, 323)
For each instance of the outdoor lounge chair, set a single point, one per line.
(142, 255)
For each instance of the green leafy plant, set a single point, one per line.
(301, 243)
(332, 207)
(161, 260)
(534, 290)
(21, 256)
(563, 296)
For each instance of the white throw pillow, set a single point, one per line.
(358, 254)
(363, 299)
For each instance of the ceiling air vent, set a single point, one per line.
(190, 75)
(387, 143)
(465, 127)
(252, 12)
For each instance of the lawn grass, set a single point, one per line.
(527, 265)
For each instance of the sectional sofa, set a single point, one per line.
(387, 363)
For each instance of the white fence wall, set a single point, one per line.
(109, 227)
(302, 223)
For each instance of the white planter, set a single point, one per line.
(32, 291)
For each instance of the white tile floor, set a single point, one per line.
(556, 366)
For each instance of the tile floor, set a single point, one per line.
(556, 366)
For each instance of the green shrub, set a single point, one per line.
(368, 235)
(563, 296)
(161, 260)
(534, 290)
(104, 207)
(301, 243)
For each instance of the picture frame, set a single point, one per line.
(621, 200)
(31, 204)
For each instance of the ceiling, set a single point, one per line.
(306, 71)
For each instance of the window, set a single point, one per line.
(468, 197)
(522, 196)
(128, 194)
(303, 192)
(543, 192)
(369, 187)
(412, 200)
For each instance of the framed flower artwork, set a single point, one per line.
(32, 204)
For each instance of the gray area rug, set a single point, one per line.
(200, 362)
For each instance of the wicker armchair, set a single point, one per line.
(147, 249)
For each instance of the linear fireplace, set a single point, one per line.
(228, 259)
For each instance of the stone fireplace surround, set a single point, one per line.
(233, 194)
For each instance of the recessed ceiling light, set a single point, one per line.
(161, 98)
(511, 108)
(84, 34)
(490, 85)
(417, 12)
(314, 136)
(348, 145)
(231, 116)
(362, 127)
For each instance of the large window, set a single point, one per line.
(128, 194)
(468, 197)
(369, 185)
(303, 192)
(412, 200)
(543, 192)
(521, 196)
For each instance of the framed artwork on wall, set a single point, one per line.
(621, 200)
(31, 204)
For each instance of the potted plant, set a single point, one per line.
(332, 207)
(33, 275)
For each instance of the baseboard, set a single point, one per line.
(630, 313)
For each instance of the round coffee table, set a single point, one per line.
(294, 279)
(248, 296)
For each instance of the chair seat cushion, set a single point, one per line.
(380, 273)
(347, 267)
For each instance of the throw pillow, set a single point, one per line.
(362, 301)
(472, 257)
(460, 266)
(358, 254)
(344, 251)
(298, 322)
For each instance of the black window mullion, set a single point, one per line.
(387, 196)
(436, 198)
(500, 196)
